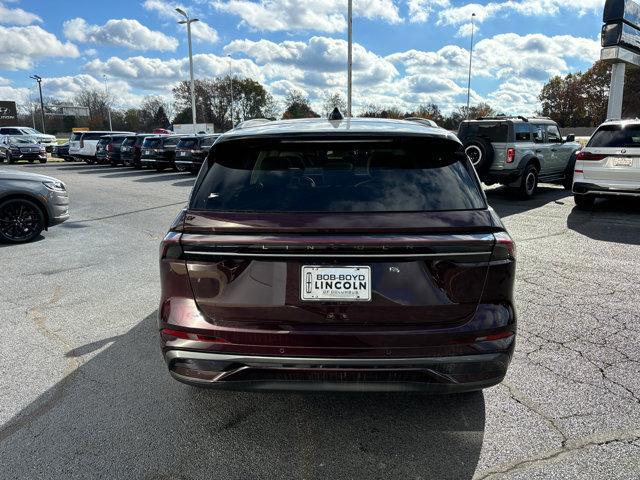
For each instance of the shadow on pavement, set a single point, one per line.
(162, 176)
(506, 203)
(615, 220)
(185, 183)
(120, 415)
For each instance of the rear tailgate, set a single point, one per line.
(244, 269)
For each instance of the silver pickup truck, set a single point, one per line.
(519, 152)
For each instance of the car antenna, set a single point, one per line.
(336, 115)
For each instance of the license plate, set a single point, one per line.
(183, 154)
(622, 162)
(336, 283)
(147, 152)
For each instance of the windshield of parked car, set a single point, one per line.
(152, 143)
(23, 140)
(493, 132)
(188, 143)
(75, 137)
(31, 131)
(616, 136)
(396, 175)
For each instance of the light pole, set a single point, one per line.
(188, 21)
(350, 60)
(106, 92)
(231, 87)
(39, 80)
(473, 16)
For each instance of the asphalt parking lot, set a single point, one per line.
(84, 392)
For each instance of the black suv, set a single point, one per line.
(159, 152)
(192, 151)
(131, 150)
(108, 150)
(519, 152)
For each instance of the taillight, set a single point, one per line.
(191, 336)
(511, 155)
(505, 248)
(109, 148)
(590, 157)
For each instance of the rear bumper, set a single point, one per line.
(584, 188)
(244, 372)
(155, 163)
(501, 176)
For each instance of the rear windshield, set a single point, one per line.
(494, 132)
(104, 141)
(207, 142)
(171, 142)
(397, 175)
(117, 140)
(152, 143)
(129, 141)
(188, 143)
(615, 136)
(93, 135)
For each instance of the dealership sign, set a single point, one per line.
(8, 111)
(621, 24)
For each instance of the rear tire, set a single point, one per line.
(480, 153)
(584, 202)
(529, 182)
(569, 173)
(10, 158)
(43, 160)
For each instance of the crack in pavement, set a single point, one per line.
(594, 440)
(44, 403)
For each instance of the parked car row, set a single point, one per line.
(155, 151)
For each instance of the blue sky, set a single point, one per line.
(407, 51)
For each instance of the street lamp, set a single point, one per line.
(188, 21)
(39, 80)
(350, 60)
(231, 86)
(473, 16)
(106, 92)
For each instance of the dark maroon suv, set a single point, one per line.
(338, 255)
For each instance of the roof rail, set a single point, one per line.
(505, 117)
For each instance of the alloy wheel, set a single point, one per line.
(20, 221)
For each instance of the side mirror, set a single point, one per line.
(570, 138)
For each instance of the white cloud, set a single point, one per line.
(17, 16)
(312, 15)
(125, 32)
(204, 33)
(420, 10)
(461, 14)
(321, 61)
(22, 47)
(160, 75)
(465, 30)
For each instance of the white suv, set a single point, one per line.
(26, 132)
(83, 145)
(610, 163)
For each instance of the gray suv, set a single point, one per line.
(519, 152)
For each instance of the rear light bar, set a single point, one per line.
(511, 155)
(587, 156)
(505, 247)
(192, 336)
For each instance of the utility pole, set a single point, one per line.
(350, 61)
(231, 87)
(473, 16)
(188, 21)
(106, 92)
(39, 80)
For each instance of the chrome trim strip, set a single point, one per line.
(339, 255)
(304, 361)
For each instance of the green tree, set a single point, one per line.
(298, 106)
